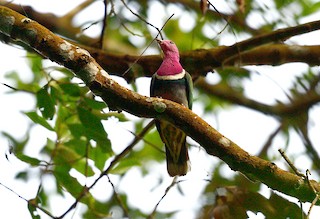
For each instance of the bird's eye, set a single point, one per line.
(171, 42)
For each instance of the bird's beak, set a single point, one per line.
(158, 41)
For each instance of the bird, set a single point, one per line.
(173, 83)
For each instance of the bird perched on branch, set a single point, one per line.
(172, 82)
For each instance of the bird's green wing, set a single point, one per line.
(189, 88)
(151, 85)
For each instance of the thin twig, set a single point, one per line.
(311, 150)
(9, 86)
(139, 16)
(124, 208)
(86, 158)
(215, 37)
(223, 19)
(112, 11)
(233, 32)
(104, 25)
(90, 24)
(315, 192)
(268, 143)
(159, 33)
(112, 164)
(305, 176)
(71, 14)
(174, 182)
(13, 192)
(30, 202)
(295, 170)
(149, 143)
(16, 89)
(130, 31)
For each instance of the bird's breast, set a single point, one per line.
(174, 90)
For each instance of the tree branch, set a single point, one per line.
(252, 51)
(297, 105)
(18, 27)
(276, 54)
(61, 25)
(201, 61)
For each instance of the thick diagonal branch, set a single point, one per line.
(43, 41)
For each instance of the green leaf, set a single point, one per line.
(36, 67)
(77, 130)
(73, 159)
(39, 120)
(70, 89)
(94, 104)
(99, 158)
(33, 210)
(125, 165)
(78, 145)
(307, 10)
(43, 197)
(67, 154)
(65, 117)
(105, 146)
(30, 160)
(18, 146)
(65, 71)
(20, 85)
(71, 185)
(93, 126)
(68, 182)
(23, 175)
(100, 154)
(49, 147)
(55, 93)
(152, 149)
(120, 116)
(45, 103)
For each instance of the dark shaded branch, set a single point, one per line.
(104, 25)
(226, 93)
(201, 61)
(296, 106)
(117, 97)
(276, 54)
(252, 51)
(61, 25)
(275, 36)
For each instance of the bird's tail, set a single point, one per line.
(182, 165)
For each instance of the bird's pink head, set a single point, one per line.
(171, 64)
